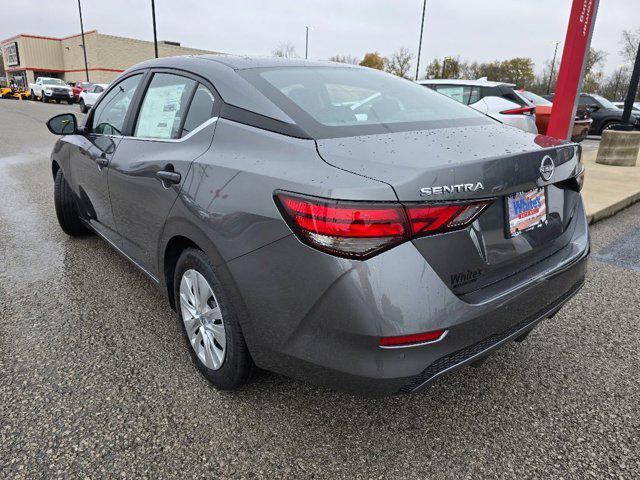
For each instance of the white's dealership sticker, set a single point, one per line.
(527, 210)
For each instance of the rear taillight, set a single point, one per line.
(362, 229)
(520, 111)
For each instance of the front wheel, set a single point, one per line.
(608, 125)
(83, 107)
(210, 323)
(66, 208)
(43, 98)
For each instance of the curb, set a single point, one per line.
(611, 210)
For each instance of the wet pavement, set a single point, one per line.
(95, 380)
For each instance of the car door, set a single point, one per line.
(94, 94)
(174, 125)
(90, 160)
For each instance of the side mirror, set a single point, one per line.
(65, 124)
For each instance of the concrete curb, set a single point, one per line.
(611, 210)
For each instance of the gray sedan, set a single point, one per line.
(328, 222)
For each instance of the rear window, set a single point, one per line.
(337, 101)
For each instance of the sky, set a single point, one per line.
(477, 30)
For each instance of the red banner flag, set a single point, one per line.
(572, 67)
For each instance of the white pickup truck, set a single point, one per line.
(46, 89)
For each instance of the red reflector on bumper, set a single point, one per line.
(408, 340)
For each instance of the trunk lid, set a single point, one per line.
(480, 162)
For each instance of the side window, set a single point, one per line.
(200, 111)
(474, 95)
(453, 91)
(108, 117)
(98, 89)
(586, 100)
(164, 106)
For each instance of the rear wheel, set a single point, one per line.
(66, 208)
(210, 322)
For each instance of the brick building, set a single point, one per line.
(27, 57)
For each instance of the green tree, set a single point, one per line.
(373, 60)
(399, 63)
(450, 67)
(434, 69)
(593, 74)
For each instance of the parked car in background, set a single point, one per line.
(78, 87)
(326, 221)
(581, 124)
(605, 114)
(51, 89)
(495, 99)
(634, 109)
(89, 97)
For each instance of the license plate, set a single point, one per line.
(526, 210)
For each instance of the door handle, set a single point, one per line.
(168, 176)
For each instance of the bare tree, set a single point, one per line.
(344, 59)
(400, 62)
(285, 50)
(629, 41)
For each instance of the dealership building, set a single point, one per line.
(27, 57)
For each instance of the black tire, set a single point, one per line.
(83, 107)
(44, 98)
(32, 96)
(66, 208)
(237, 367)
(607, 125)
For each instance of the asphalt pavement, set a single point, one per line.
(95, 380)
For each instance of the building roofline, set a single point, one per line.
(57, 39)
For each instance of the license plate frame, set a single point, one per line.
(521, 218)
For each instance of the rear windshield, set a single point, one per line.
(337, 101)
(535, 99)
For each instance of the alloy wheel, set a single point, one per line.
(202, 319)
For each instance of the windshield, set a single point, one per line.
(52, 81)
(337, 101)
(537, 100)
(604, 103)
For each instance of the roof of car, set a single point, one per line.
(223, 72)
(481, 82)
(242, 62)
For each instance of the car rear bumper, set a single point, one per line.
(319, 318)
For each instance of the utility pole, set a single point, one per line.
(155, 34)
(424, 8)
(306, 42)
(84, 46)
(553, 64)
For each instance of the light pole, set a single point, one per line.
(553, 64)
(84, 46)
(424, 8)
(306, 42)
(155, 35)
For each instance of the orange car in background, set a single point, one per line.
(581, 124)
